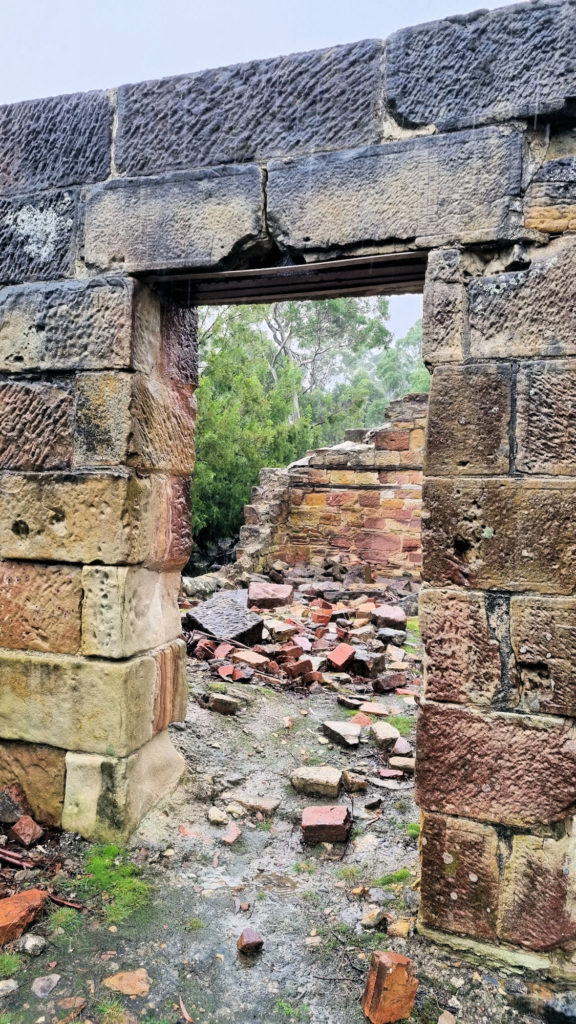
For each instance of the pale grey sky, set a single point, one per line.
(48, 47)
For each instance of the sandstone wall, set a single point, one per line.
(359, 501)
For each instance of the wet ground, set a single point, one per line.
(306, 902)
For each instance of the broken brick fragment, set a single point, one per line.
(204, 650)
(225, 671)
(298, 668)
(223, 650)
(25, 831)
(250, 942)
(270, 595)
(390, 989)
(361, 719)
(250, 658)
(329, 824)
(341, 655)
(389, 615)
(18, 912)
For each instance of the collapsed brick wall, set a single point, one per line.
(359, 502)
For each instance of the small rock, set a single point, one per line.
(389, 615)
(326, 824)
(25, 831)
(224, 704)
(42, 987)
(371, 707)
(280, 630)
(11, 804)
(348, 702)
(390, 989)
(259, 804)
(360, 719)
(235, 809)
(321, 781)
(269, 595)
(33, 945)
(402, 748)
(447, 1018)
(345, 732)
(129, 983)
(250, 942)
(354, 782)
(384, 735)
(231, 834)
(404, 764)
(341, 655)
(373, 917)
(400, 928)
(7, 987)
(217, 817)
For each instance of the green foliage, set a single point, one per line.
(66, 919)
(111, 1011)
(307, 867)
(291, 1011)
(195, 924)
(394, 878)
(10, 963)
(413, 829)
(403, 723)
(110, 875)
(278, 380)
(349, 873)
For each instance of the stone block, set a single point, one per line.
(169, 523)
(37, 237)
(459, 876)
(106, 797)
(83, 518)
(515, 534)
(503, 768)
(545, 425)
(172, 686)
(35, 426)
(550, 203)
(323, 781)
(526, 313)
(536, 905)
(390, 989)
(40, 772)
(133, 419)
(73, 325)
(330, 824)
(226, 617)
(543, 635)
(91, 705)
(327, 99)
(61, 140)
(470, 181)
(516, 62)
(183, 220)
(18, 912)
(469, 419)
(40, 607)
(463, 663)
(127, 610)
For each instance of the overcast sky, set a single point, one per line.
(48, 47)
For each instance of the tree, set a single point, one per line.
(278, 380)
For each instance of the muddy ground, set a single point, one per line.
(307, 903)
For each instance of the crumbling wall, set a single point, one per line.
(358, 502)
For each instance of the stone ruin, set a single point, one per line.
(357, 503)
(453, 142)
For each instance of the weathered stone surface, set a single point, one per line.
(184, 220)
(536, 906)
(327, 99)
(514, 534)
(543, 635)
(443, 314)
(270, 595)
(61, 140)
(546, 429)
(330, 824)
(73, 325)
(102, 419)
(127, 610)
(37, 237)
(526, 312)
(370, 195)
(35, 426)
(163, 419)
(506, 768)
(107, 796)
(98, 517)
(463, 663)
(40, 607)
(390, 988)
(384, 735)
(91, 705)
(484, 66)
(18, 912)
(40, 771)
(250, 942)
(469, 417)
(459, 881)
(550, 203)
(226, 617)
(345, 732)
(322, 781)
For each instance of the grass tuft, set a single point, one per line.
(110, 875)
(10, 963)
(394, 878)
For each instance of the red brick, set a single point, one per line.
(298, 668)
(251, 659)
(390, 989)
(341, 655)
(25, 831)
(330, 824)
(536, 909)
(250, 942)
(392, 440)
(18, 912)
